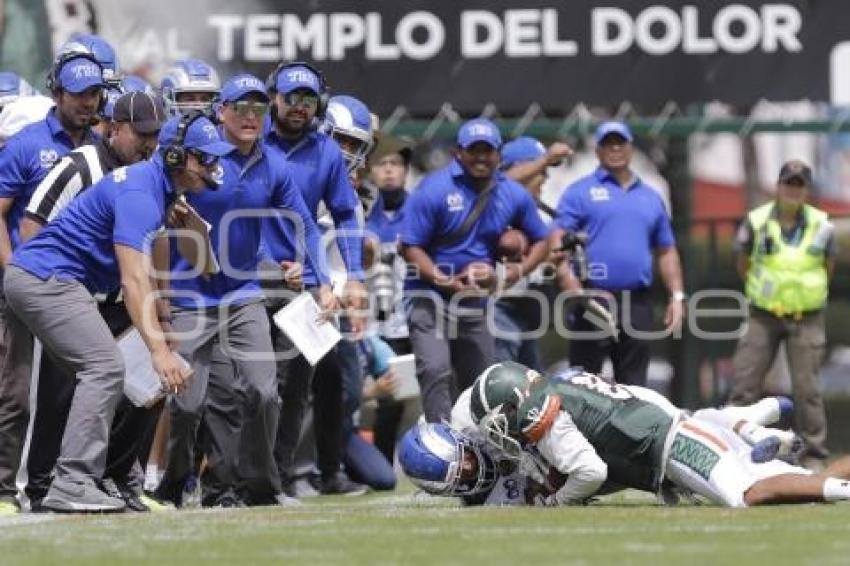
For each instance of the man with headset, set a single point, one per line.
(299, 95)
(76, 82)
(229, 305)
(133, 125)
(104, 239)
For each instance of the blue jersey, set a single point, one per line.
(251, 185)
(624, 225)
(126, 208)
(445, 199)
(318, 169)
(25, 161)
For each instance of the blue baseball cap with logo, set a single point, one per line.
(241, 86)
(613, 127)
(479, 130)
(298, 76)
(79, 74)
(202, 135)
(520, 150)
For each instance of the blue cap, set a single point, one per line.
(202, 135)
(479, 130)
(612, 127)
(242, 85)
(80, 73)
(520, 150)
(295, 77)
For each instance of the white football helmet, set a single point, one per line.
(347, 120)
(190, 76)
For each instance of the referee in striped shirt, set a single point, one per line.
(131, 137)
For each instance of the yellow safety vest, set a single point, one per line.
(792, 279)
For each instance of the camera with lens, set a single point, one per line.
(384, 284)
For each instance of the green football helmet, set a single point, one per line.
(510, 405)
(505, 382)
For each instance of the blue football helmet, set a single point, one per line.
(190, 76)
(98, 48)
(135, 83)
(347, 120)
(13, 87)
(443, 461)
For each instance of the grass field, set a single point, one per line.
(403, 529)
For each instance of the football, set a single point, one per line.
(513, 244)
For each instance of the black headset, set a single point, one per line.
(53, 83)
(324, 94)
(174, 154)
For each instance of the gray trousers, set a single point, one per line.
(64, 316)
(243, 334)
(805, 341)
(445, 344)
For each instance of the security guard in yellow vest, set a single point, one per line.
(786, 259)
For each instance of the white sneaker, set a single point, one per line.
(285, 501)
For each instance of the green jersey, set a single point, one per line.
(628, 433)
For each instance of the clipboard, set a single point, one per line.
(300, 321)
(142, 385)
(201, 258)
(405, 369)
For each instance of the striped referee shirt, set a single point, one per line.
(74, 173)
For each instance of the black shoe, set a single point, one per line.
(339, 484)
(36, 506)
(227, 500)
(123, 491)
(288, 487)
(168, 494)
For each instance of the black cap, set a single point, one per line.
(144, 111)
(796, 169)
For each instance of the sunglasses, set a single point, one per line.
(303, 99)
(245, 107)
(205, 159)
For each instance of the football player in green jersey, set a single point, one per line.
(596, 432)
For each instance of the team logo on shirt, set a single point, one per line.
(218, 174)
(599, 193)
(455, 202)
(119, 174)
(211, 132)
(48, 157)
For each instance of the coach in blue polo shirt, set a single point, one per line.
(101, 241)
(77, 87)
(319, 169)
(441, 245)
(229, 305)
(626, 224)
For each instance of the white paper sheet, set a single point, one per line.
(405, 369)
(299, 320)
(142, 385)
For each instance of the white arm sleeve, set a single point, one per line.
(566, 448)
(462, 415)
